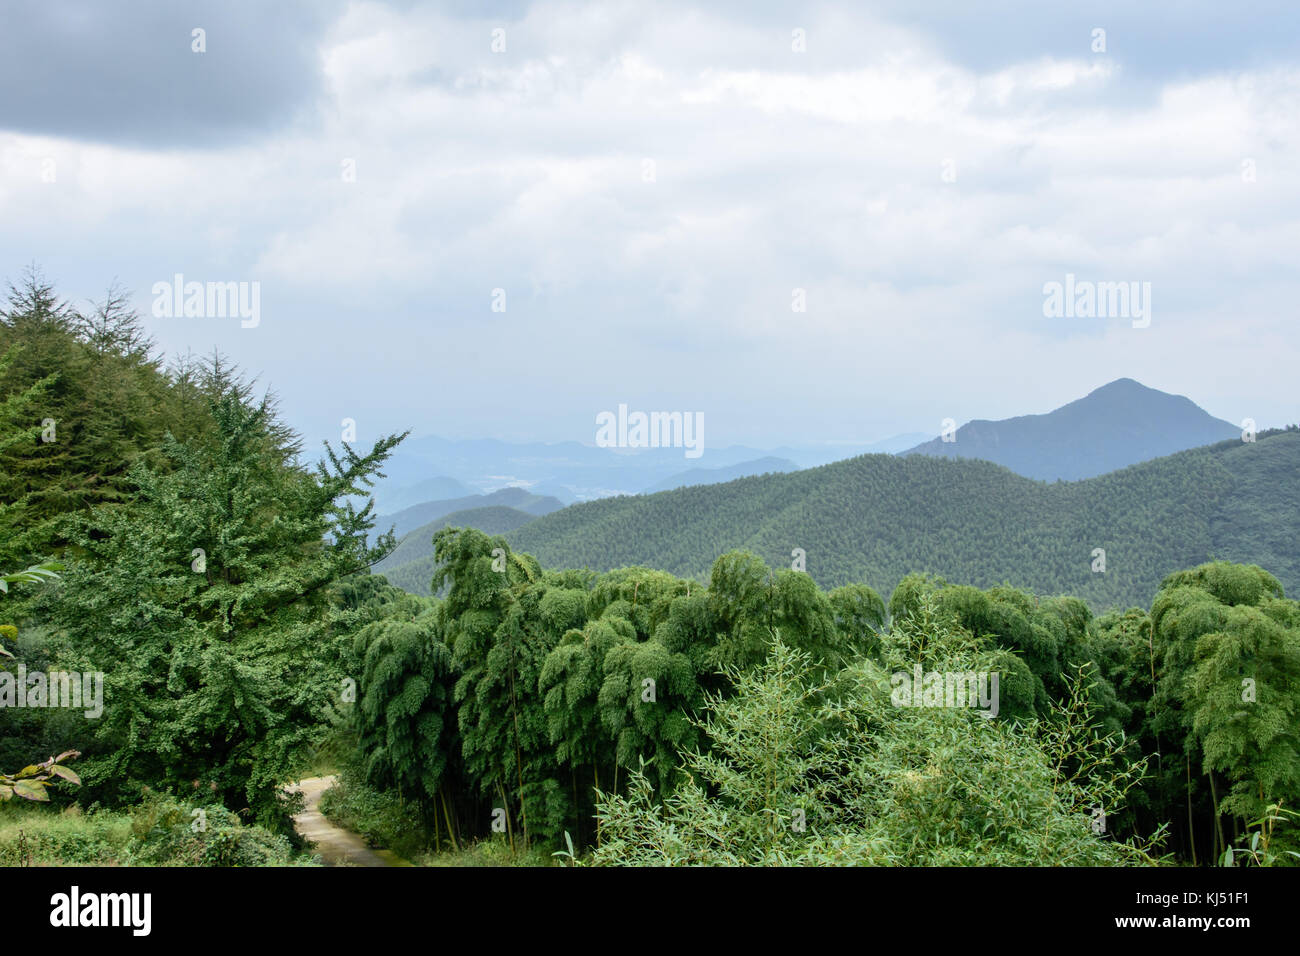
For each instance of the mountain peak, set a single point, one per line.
(1119, 424)
(1123, 384)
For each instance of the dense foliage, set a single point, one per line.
(692, 721)
(203, 560)
(1212, 679)
(802, 773)
(159, 831)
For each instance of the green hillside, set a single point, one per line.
(875, 518)
(410, 565)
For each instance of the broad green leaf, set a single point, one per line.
(32, 790)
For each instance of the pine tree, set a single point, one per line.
(206, 602)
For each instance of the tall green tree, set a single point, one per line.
(405, 711)
(206, 603)
(1228, 644)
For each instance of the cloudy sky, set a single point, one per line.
(651, 183)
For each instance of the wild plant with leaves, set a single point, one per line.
(33, 781)
(1267, 841)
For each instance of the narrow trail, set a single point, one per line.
(336, 846)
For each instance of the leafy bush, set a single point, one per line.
(170, 833)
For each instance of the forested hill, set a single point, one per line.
(1117, 425)
(875, 518)
(409, 519)
(410, 565)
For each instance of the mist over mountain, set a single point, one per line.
(572, 471)
(1119, 424)
(430, 489)
(408, 519)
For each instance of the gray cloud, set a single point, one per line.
(125, 73)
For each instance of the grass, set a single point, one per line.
(159, 832)
(494, 852)
(39, 836)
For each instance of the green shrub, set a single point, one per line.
(170, 833)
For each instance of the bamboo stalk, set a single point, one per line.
(446, 814)
(505, 807)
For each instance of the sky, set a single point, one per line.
(808, 223)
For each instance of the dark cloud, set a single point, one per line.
(126, 73)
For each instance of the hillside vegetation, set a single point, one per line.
(876, 518)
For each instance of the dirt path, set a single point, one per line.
(336, 846)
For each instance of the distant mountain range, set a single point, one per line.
(441, 488)
(1149, 477)
(408, 519)
(435, 469)
(1117, 425)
